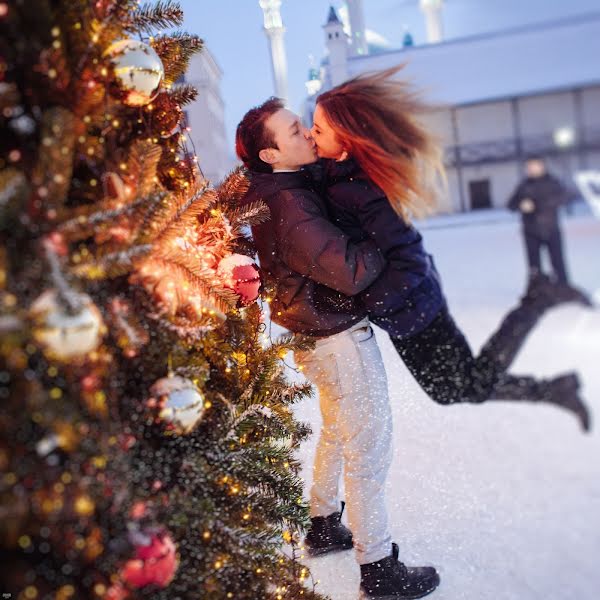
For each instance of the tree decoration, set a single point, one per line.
(155, 561)
(240, 274)
(65, 335)
(166, 112)
(178, 402)
(137, 69)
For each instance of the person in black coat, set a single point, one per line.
(377, 153)
(538, 198)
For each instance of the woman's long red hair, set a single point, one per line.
(375, 118)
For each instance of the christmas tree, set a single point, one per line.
(146, 438)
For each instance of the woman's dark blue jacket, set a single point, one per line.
(408, 295)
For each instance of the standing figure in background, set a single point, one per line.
(538, 198)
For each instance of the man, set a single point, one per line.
(538, 198)
(315, 271)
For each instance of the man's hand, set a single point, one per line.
(527, 205)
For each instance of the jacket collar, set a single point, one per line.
(343, 169)
(282, 181)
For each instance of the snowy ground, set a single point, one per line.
(503, 499)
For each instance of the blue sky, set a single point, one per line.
(232, 30)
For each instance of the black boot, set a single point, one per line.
(328, 534)
(568, 293)
(389, 579)
(562, 391)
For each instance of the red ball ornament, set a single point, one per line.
(155, 563)
(240, 274)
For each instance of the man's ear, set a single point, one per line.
(268, 155)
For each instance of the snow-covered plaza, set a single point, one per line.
(503, 498)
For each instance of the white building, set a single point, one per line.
(206, 117)
(501, 96)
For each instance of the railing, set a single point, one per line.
(517, 149)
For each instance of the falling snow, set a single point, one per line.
(503, 499)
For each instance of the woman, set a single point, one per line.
(384, 166)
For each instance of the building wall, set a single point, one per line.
(484, 122)
(206, 117)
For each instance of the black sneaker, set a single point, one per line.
(563, 391)
(328, 534)
(389, 579)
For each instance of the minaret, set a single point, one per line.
(432, 9)
(356, 16)
(274, 29)
(337, 45)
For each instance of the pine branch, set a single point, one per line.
(234, 187)
(54, 169)
(82, 225)
(253, 213)
(183, 93)
(111, 265)
(142, 166)
(150, 17)
(175, 51)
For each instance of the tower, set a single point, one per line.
(432, 9)
(274, 30)
(356, 16)
(337, 45)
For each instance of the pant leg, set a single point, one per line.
(557, 259)
(364, 427)
(440, 359)
(321, 371)
(501, 348)
(533, 251)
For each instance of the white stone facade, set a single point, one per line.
(206, 117)
(501, 97)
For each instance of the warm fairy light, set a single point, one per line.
(55, 31)
(218, 564)
(206, 535)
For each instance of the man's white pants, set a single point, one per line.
(348, 371)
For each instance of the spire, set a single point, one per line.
(332, 18)
(274, 31)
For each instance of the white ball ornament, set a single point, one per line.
(180, 403)
(138, 71)
(63, 335)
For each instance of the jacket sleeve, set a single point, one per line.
(314, 247)
(515, 199)
(400, 243)
(560, 194)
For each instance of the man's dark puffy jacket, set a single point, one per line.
(408, 295)
(313, 267)
(548, 194)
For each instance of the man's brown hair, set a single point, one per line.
(252, 135)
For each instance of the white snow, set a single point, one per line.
(503, 498)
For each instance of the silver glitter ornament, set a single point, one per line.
(138, 71)
(180, 403)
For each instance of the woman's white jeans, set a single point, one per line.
(348, 371)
